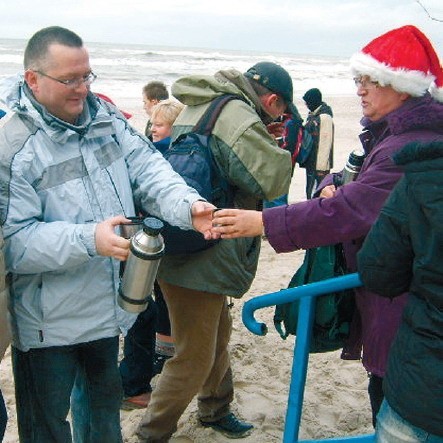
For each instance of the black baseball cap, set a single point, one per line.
(273, 77)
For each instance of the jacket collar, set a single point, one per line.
(94, 120)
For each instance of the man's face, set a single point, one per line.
(311, 107)
(148, 104)
(376, 100)
(273, 104)
(62, 63)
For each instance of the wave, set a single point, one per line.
(135, 65)
(11, 58)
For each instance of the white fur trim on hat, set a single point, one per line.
(415, 83)
(437, 93)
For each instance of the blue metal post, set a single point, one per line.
(305, 294)
(299, 370)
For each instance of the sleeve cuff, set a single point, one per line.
(88, 238)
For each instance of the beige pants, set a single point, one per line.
(201, 326)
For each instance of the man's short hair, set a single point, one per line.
(156, 90)
(38, 45)
(259, 89)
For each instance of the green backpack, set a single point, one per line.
(333, 312)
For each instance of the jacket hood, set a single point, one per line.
(9, 91)
(423, 164)
(326, 109)
(197, 90)
(414, 153)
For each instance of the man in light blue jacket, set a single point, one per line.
(71, 170)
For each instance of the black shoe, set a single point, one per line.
(159, 361)
(230, 426)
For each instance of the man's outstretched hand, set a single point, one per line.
(202, 219)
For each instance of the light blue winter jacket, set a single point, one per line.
(57, 181)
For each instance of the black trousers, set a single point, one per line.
(376, 395)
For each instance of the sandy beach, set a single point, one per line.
(336, 401)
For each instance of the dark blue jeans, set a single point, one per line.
(3, 416)
(44, 379)
(136, 367)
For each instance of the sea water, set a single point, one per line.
(123, 70)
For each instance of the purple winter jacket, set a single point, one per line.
(348, 216)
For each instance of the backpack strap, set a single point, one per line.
(204, 127)
(207, 121)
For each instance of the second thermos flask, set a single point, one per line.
(353, 166)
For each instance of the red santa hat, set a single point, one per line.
(404, 59)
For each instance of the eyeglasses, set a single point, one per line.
(73, 83)
(366, 83)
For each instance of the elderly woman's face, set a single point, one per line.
(376, 100)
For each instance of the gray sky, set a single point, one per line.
(322, 27)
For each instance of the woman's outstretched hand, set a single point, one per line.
(235, 223)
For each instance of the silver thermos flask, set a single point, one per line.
(145, 252)
(353, 166)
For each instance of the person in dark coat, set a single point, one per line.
(403, 252)
(397, 108)
(320, 125)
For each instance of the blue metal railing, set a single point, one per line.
(305, 294)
